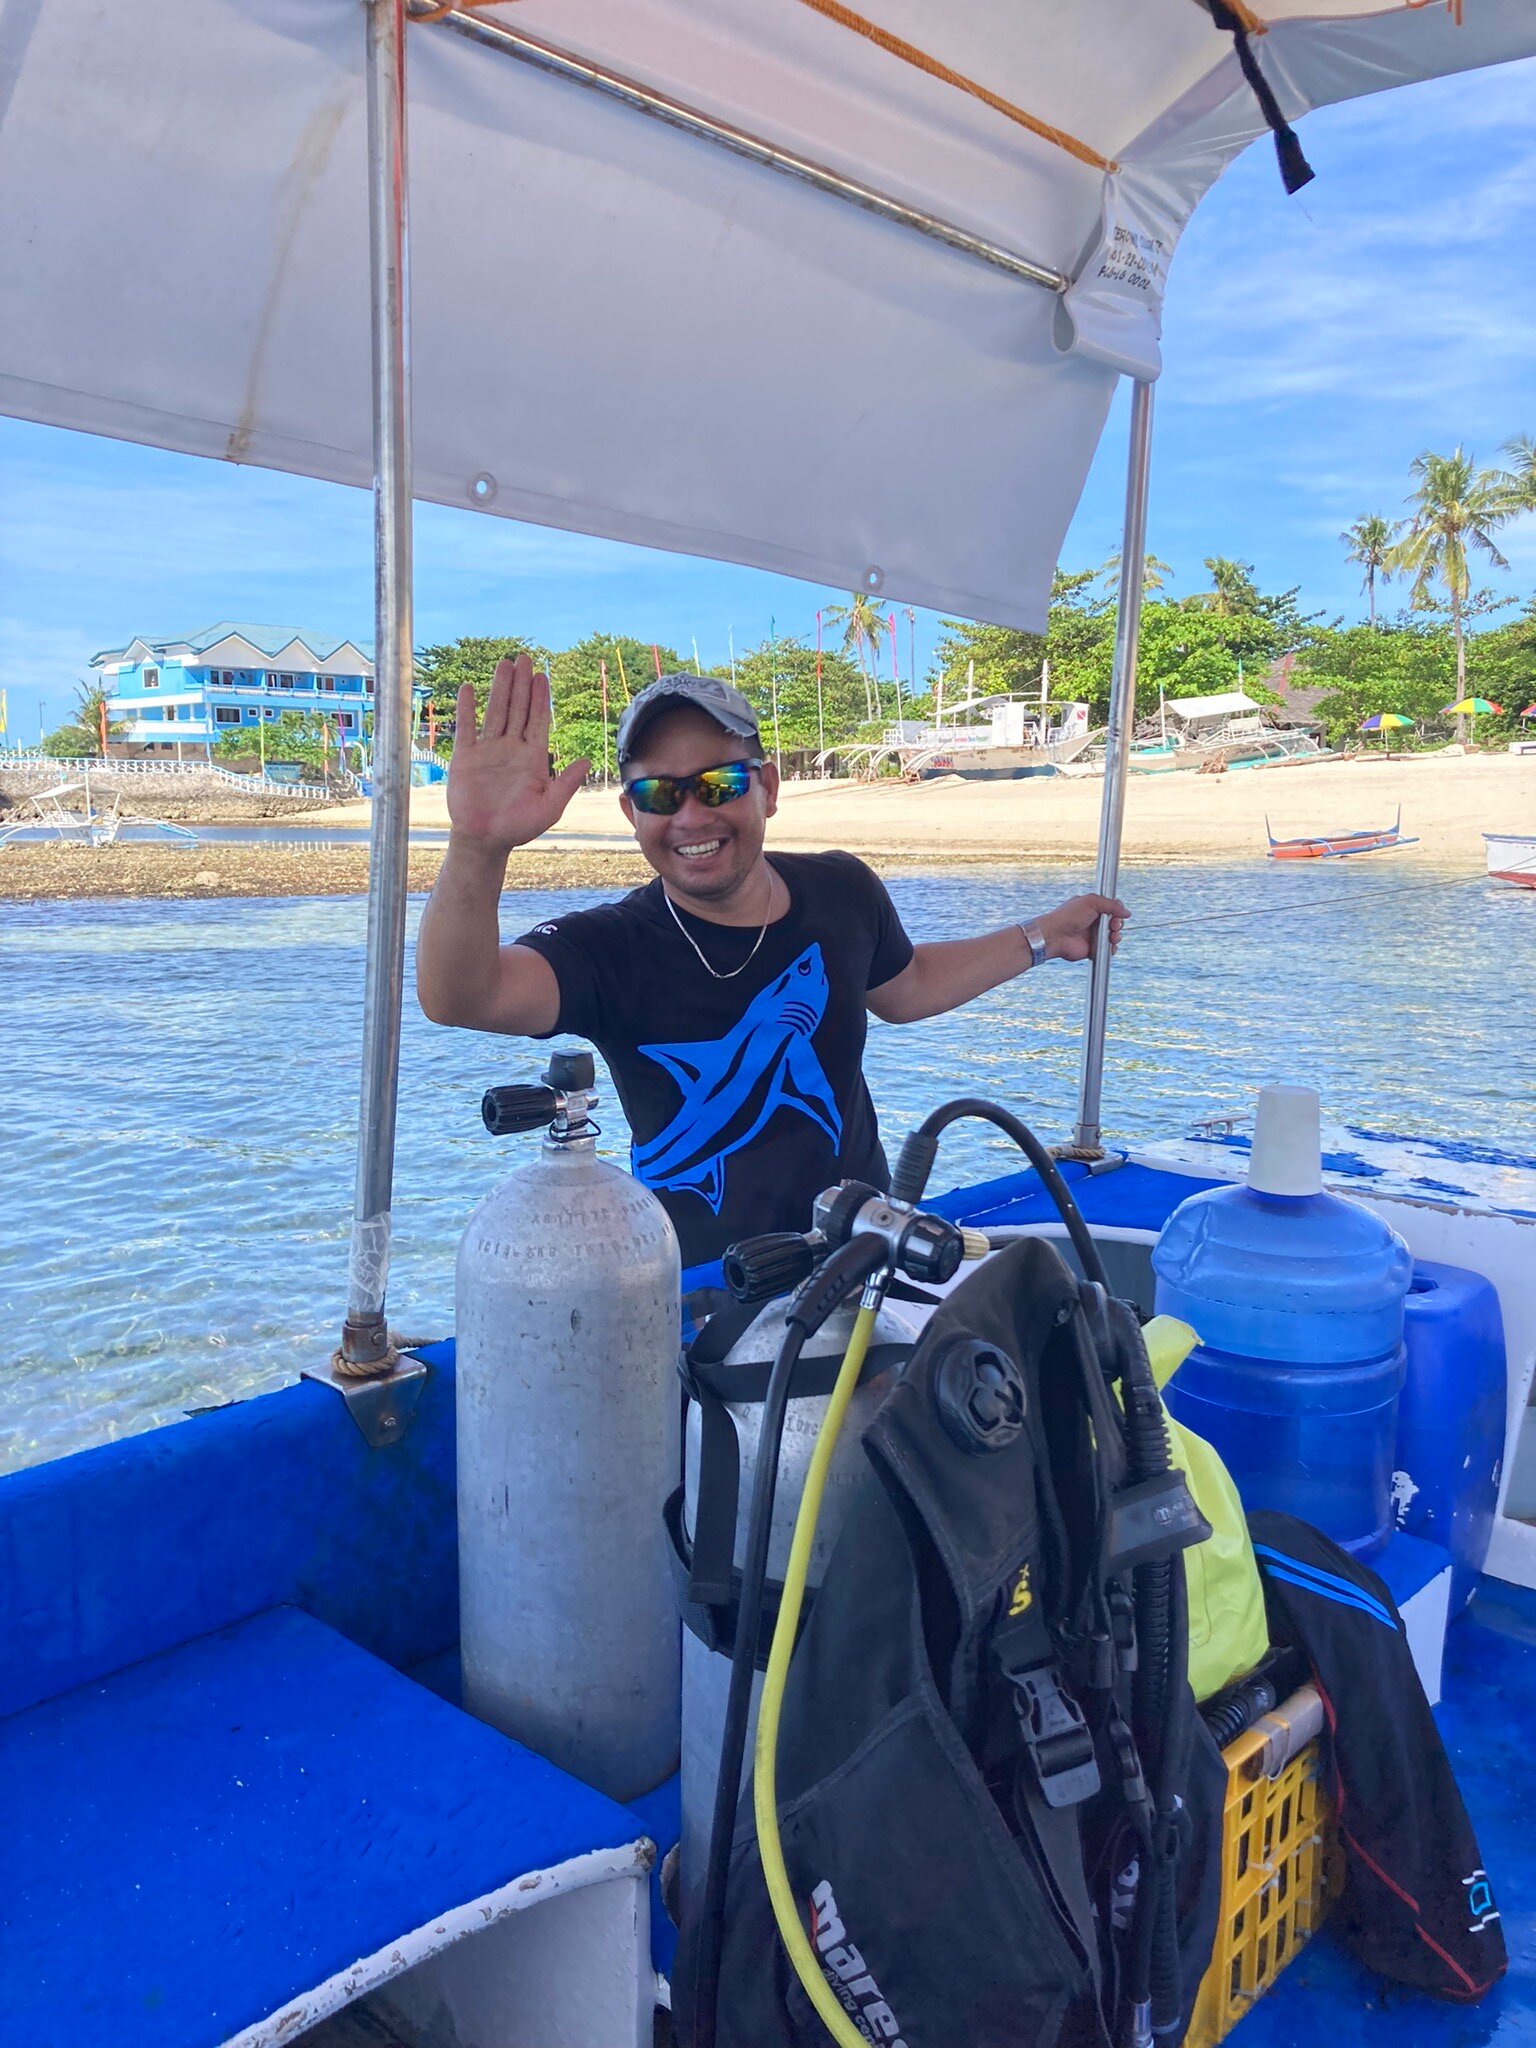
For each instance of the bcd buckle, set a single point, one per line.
(1152, 1520)
(1056, 1735)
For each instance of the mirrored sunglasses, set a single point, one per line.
(661, 795)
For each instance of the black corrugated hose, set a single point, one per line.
(915, 1163)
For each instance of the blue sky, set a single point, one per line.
(1313, 347)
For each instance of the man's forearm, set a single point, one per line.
(459, 944)
(945, 973)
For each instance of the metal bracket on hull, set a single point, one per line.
(383, 1407)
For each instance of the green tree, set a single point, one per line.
(1457, 509)
(1186, 648)
(787, 668)
(999, 660)
(1399, 664)
(307, 736)
(1369, 542)
(469, 659)
(1501, 665)
(80, 734)
(577, 692)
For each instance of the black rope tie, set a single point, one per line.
(1295, 171)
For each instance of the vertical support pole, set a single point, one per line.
(1117, 748)
(365, 1335)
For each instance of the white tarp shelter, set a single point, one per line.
(620, 326)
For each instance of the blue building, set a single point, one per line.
(167, 694)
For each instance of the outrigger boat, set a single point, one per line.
(56, 815)
(1334, 845)
(241, 1803)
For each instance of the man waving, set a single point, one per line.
(729, 996)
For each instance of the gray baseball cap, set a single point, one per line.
(725, 705)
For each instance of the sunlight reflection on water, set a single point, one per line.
(179, 1095)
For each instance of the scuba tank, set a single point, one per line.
(567, 1416)
(712, 1461)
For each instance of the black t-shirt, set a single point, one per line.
(745, 1096)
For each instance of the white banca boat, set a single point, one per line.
(982, 739)
(1512, 857)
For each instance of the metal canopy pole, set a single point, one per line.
(365, 1344)
(1117, 748)
(647, 99)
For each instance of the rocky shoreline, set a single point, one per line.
(63, 873)
(185, 799)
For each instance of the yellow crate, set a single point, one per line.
(1279, 1872)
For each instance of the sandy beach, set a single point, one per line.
(1447, 802)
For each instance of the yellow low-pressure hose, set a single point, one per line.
(765, 1756)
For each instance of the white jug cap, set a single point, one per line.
(1287, 1145)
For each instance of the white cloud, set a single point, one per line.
(1397, 279)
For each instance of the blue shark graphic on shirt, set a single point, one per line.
(731, 1086)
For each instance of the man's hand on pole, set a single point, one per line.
(1069, 929)
(501, 792)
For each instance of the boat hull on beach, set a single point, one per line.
(1512, 858)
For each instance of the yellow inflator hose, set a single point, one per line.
(765, 1798)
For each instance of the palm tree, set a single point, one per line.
(81, 732)
(1522, 478)
(863, 624)
(1154, 573)
(1369, 542)
(1232, 591)
(1457, 508)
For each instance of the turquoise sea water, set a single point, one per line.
(178, 1094)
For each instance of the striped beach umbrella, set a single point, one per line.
(1529, 711)
(1386, 721)
(1472, 707)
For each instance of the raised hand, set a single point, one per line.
(1069, 929)
(501, 793)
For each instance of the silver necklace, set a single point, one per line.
(688, 935)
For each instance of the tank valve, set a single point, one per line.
(562, 1102)
(923, 1247)
(758, 1268)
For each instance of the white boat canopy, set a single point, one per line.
(1225, 704)
(839, 294)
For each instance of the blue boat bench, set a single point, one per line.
(226, 1811)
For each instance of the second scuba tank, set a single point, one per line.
(567, 1411)
(706, 1670)
(1298, 1299)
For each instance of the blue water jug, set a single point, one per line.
(1297, 1297)
(1450, 1422)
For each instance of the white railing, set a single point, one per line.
(35, 758)
(266, 785)
(77, 762)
